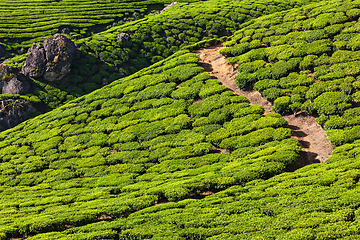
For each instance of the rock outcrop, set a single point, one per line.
(15, 86)
(66, 30)
(35, 62)
(105, 81)
(12, 82)
(13, 112)
(60, 52)
(168, 6)
(6, 71)
(122, 37)
(52, 60)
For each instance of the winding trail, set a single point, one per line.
(312, 138)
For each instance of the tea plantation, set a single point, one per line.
(25, 22)
(150, 39)
(165, 134)
(167, 152)
(304, 59)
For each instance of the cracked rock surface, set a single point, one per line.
(52, 59)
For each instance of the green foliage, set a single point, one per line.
(57, 15)
(282, 104)
(332, 103)
(169, 153)
(141, 142)
(293, 52)
(273, 93)
(187, 25)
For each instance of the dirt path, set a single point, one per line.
(312, 138)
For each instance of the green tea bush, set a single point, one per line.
(282, 105)
(335, 122)
(273, 93)
(332, 103)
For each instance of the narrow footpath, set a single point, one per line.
(312, 138)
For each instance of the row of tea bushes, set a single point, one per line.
(343, 128)
(316, 202)
(319, 201)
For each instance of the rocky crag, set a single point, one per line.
(13, 112)
(51, 60)
(13, 82)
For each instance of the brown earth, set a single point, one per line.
(312, 138)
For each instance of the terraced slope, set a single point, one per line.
(25, 22)
(148, 166)
(305, 59)
(151, 39)
(170, 153)
(156, 37)
(165, 134)
(319, 201)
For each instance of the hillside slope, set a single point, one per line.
(170, 153)
(25, 22)
(312, 138)
(164, 134)
(305, 59)
(151, 166)
(104, 58)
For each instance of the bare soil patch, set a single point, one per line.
(315, 145)
(220, 150)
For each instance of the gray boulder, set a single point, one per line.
(34, 47)
(122, 37)
(60, 52)
(105, 81)
(6, 72)
(15, 86)
(168, 6)
(35, 62)
(13, 112)
(52, 60)
(13, 82)
(66, 30)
